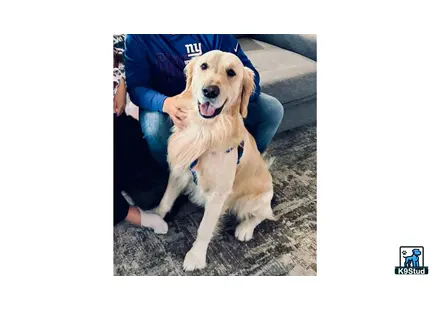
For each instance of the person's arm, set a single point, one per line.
(120, 98)
(138, 72)
(228, 43)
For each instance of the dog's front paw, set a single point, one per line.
(244, 231)
(194, 260)
(158, 210)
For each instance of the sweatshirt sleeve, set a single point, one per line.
(228, 43)
(138, 72)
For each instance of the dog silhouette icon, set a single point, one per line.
(412, 260)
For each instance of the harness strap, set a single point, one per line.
(240, 149)
(193, 171)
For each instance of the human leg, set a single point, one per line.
(264, 117)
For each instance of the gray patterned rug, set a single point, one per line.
(285, 247)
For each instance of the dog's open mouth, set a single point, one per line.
(206, 110)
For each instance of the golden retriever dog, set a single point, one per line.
(214, 159)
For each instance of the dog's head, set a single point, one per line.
(219, 82)
(416, 252)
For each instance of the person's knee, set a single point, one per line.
(154, 126)
(274, 110)
(150, 123)
(156, 130)
(278, 113)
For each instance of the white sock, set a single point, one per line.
(154, 221)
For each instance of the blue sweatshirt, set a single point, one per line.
(154, 64)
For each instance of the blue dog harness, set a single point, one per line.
(239, 155)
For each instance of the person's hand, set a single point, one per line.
(174, 107)
(119, 101)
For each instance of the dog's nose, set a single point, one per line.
(211, 91)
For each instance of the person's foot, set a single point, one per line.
(154, 221)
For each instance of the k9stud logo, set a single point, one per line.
(411, 261)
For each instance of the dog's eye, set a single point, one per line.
(204, 66)
(230, 72)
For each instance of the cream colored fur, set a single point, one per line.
(245, 189)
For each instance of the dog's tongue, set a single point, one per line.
(206, 109)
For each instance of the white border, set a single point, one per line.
(373, 155)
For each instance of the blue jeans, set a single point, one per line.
(264, 117)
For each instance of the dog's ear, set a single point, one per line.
(247, 89)
(189, 69)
